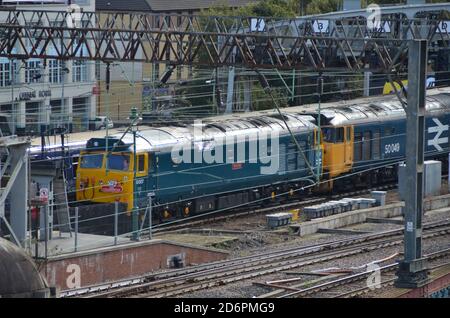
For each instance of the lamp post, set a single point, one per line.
(134, 117)
(64, 71)
(13, 102)
(319, 132)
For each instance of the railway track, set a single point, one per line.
(272, 208)
(355, 284)
(275, 207)
(182, 281)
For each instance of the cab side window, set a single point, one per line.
(327, 134)
(339, 135)
(389, 131)
(141, 163)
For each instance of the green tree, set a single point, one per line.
(322, 6)
(199, 92)
(262, 8)
(365, 3)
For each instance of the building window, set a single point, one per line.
(32, 117)
(55, 73)
(80, 113)
(33, 72)
(5, 74)
(56, 106)
(80, 106)
(6, 108)
(79, 71)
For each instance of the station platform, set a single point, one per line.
(64, 243)
(96, 262)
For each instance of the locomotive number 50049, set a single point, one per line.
(392, 148)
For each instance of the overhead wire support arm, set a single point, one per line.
(319, 124)
(166, 76)
(265, 85)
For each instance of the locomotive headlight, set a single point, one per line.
(177, 160)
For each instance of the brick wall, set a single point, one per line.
(120, 262)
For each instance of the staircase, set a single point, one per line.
(61, 206)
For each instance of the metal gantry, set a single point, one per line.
(308, 44)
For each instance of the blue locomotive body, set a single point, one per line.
(230, 162)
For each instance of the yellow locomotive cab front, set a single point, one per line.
(105, 180)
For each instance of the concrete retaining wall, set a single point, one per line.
(359, 216)
(438, 202)
(121, 262)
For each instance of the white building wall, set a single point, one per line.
(68, 88)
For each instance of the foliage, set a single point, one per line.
(263, 8)
(322, 6)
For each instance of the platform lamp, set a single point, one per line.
(134, 117)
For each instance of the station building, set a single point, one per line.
(38, 96)
(132, 82)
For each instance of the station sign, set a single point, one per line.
(443, 27)
(321, 26)
(43, 195)
(95, 90)
(381, 27)
(146, 90)
(34, 94)
(257, 25)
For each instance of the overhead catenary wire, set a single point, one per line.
(209, 105)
